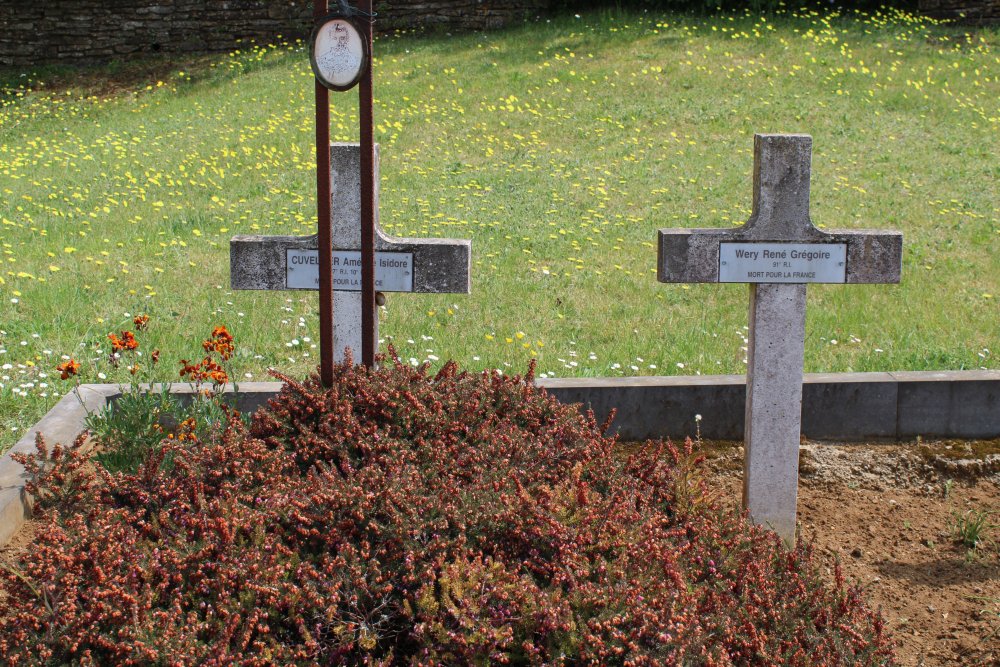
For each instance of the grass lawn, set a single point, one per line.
(559, 148)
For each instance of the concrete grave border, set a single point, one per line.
(851, 407)
(892, 406)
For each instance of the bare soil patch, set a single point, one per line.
(889, 514)
(9, 553)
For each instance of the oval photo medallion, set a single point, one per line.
(338, 53)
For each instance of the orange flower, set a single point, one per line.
(68, 368)
(140, 322)
(206, 369)
(186, 429)
(190, 369)
(155, 356)
(126, 342)
(221, 342)
(128, 338)
(221, 333)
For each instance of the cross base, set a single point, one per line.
(775, 355)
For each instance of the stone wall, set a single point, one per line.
(964, 11)
(36, 31)
(455, 14)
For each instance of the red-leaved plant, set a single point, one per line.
(402, 518)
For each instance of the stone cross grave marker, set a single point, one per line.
(777, 251)
(401, 265)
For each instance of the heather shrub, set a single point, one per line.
(403, 518)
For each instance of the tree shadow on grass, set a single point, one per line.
(133, 74)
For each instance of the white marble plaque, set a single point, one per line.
(393, 270)
(782, 262)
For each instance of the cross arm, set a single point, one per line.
(689, 255)
(692, 255)
(439, 265)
